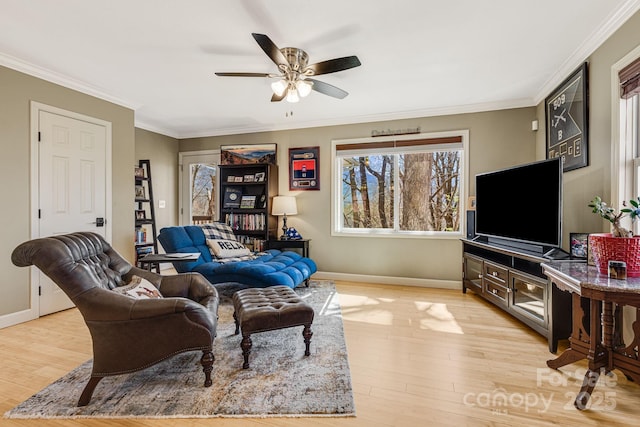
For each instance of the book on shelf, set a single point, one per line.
(144, 250)
(246, 222)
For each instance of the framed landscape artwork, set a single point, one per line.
(248, 154)
(304, 168)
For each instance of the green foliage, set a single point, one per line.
(607, 212)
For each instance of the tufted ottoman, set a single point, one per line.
(268, 309)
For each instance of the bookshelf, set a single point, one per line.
(144, 213)
(246, 192)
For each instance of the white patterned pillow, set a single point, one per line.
(139, 288)
(227, 248)
(218, 230)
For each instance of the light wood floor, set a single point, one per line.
(417, 356)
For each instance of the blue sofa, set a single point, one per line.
(271, 269)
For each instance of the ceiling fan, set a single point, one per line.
(294, 77)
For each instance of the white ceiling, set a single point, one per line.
(419, 57)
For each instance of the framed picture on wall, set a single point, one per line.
(567, 116)
(304, 168)
(248, 154)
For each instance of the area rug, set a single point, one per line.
(280, 382)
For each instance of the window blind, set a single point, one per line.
(630, 80)
(401, 143)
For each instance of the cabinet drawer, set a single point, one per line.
(496, 291)
(497, 273)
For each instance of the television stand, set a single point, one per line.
(512, 279)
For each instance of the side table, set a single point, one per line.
(290, 244)
(155, 259)
(597, 324)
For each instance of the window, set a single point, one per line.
(199, 187)
(409, 185)
(628, 94)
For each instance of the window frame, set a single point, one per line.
(336, 182)
(625, 161)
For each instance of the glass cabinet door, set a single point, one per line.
(473, 273)
(529, 296)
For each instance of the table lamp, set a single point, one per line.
(283, 206)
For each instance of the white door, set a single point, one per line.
(199, 187)
(72, 187)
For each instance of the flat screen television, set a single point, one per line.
(521, 205)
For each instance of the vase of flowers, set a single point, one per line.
(620, 244)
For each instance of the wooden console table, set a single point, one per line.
(596, 335)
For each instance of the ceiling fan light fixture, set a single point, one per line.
(292, 95)
(303, 87)
(279, 87)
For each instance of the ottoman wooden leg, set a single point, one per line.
(245, 345)
(235, 318)
(307, 334)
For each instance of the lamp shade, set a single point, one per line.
(284, 205)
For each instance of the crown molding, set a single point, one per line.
(402, 115)
(141, 124)
(62, 80)
(597, 38)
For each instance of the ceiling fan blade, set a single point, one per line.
(327, 89)
(333, 65)
(243, 74)
(276, 98)
(271, 50)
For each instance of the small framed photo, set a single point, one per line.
(138, 172)
(579, 245)
(248, 178)
(140, 192)
(259, 176)
(141, 214)
(231, 178)
(248, 202)
(238, 179)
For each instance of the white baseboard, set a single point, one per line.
(389, 280)
(17, 317)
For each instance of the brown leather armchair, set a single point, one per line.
(128, 334)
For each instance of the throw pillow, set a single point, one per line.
(227, 248)
(139, 288)
(218, 230)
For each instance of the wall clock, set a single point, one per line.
(567, 121)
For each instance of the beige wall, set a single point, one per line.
(581, 185)
(17, 90)
(497, 139)
(162, 151)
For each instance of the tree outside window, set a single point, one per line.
(415, 191)
(203, 184)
